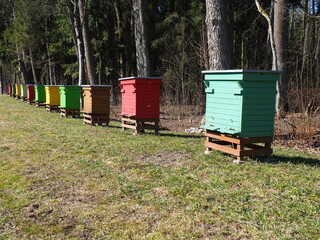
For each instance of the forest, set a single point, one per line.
(95, 42)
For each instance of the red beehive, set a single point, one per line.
(10, 89)
(31, 93)
(140, 97)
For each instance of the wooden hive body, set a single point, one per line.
(96, 99)
(13, 89)
(40, 93)
(241, 102)
(52, 95)
(31, 93)
(24, 91)
(140, 97)
(18, 89)
(10, 88)
(70, 97)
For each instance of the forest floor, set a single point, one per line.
(60, 179)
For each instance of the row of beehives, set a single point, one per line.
(240, 106)
(140, 99)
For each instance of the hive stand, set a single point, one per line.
(93, 119)
(40, 104)
(240, 147)
(51, 108)
(69, 112)
(30, 102)
(139, 125)
(23, 99)
(17, 97)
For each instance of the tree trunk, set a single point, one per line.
(220, 48)
(77, 39)
(35, 80)
(87, 43)
(1, 81)
(141, 31)
(23, 69)
(281, 24)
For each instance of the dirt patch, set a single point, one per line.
(168, 159)
(172, 118)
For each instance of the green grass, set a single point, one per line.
(60, 179)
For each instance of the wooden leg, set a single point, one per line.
(240, 148)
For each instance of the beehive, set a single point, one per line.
(96, 99)
(31, 93)
(24, 92)
(140, 97)
(52, 95)
(241, 102)
(18, 90)
(13, 88)
(40, 93)
(10, 89)
(70, 97)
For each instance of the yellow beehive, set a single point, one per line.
(18, 90)
(52, 95)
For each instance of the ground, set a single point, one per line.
(61, 179)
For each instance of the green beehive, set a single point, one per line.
(24, 91)
(241, 102)
(70, 97)
(40, 94)
(13, 89)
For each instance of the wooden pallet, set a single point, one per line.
(139, 125)
(40, 104)
(69, 112)
(51, 108)
(240, 147)
(93, 119)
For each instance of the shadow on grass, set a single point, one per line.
(167, 134)
(294, 160)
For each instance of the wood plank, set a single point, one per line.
(128, 126)
(222, 137)
(222, 148)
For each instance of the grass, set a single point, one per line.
(60, 179)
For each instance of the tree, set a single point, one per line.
(74, 16)
(141, 32)
(278, 36)
(87, 42)
(219, 35)
(281, 17)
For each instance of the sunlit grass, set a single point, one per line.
(60, 179)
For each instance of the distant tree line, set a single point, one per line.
(96, 42)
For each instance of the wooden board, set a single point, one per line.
(139, 125)
(51, 108)
(40, 104)
(69, 112)
(98, 119)
(240, 147)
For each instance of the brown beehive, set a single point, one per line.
(96, 99)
